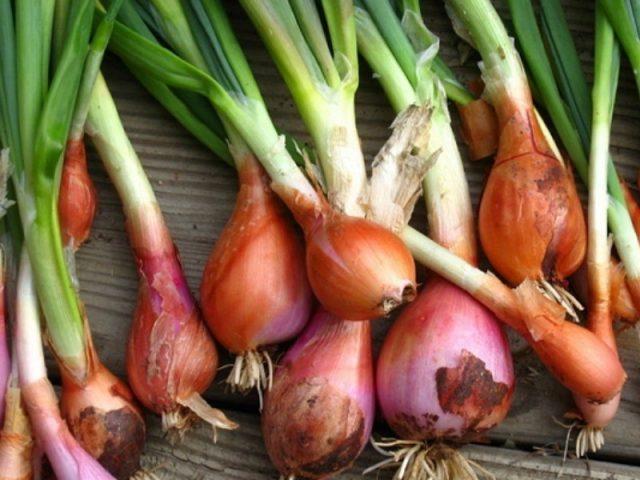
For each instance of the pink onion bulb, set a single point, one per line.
(445, 369)
(319, 413)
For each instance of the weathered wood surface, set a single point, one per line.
(197, 193)
(240, 456)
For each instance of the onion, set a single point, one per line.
(319, 414)
(171, 358)
(445, 369)
(254, 289)
(530, 221)
(358, 270)
(78, 198)
(105, 419)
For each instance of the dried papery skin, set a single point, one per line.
(16, 444)
(479, 128)
(531, 223)
(254, 290)
(319, 413)
(622, 306)
(67, 458)
(78, 199)
(575, 356)
(171, 358)
(399, 167)
(445, 369)
(105, 419)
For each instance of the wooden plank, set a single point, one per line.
(197, 195)
(241, 456)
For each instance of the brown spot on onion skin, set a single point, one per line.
(469, 391)
(311, 429)
(104, 418)
(114, 438)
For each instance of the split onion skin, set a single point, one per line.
(105, 419)
(445, 369)
(77, 201)
(319, 413)
(254, 289)
(170, 353)
(531, 223)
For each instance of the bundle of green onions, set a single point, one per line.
(445, 329)
(258, 242)
(563, 92)
(347, 281)
(37, 104)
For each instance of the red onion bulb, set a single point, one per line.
(319, 413)
(445, 369)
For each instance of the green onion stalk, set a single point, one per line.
(624, 16)
(36, 110)
(259, 240)
(525, 308)
(382, 37)
(583, 128)
(478, 119)
(347, 282)
(322, 76)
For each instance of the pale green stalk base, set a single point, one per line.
(598, 250)
(31, 364)
(502, 70)
(442, 261)
(340, 155)
(446, 192)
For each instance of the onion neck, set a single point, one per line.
(506, 84)
(335, 136)
(446, 195)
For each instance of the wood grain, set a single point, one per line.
(240, 455)
(197, 193)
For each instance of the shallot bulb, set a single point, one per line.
(319, 414)
(171, 358)
(254, 290)
(78, 198)
(358, 270)
(445, 369)
(105, 419)
(530, 222)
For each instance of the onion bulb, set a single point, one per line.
(104, 418)
(530, 222)
(445, 369)
(358, 270)
(319, 414)
(171, 358)
(254, 289)
(78, 198)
